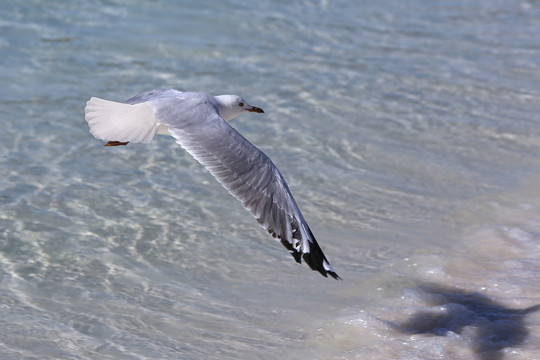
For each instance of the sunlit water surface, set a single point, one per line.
(409, 133)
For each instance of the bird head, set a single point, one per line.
(230, 106)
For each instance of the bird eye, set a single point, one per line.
(240, 104)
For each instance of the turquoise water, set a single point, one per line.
(408, 133)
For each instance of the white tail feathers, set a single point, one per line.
(113, 121)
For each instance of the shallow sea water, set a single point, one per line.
(409, 135)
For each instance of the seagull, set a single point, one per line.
(198, 122)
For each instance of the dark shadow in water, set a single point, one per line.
(497, 326)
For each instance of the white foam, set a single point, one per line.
(456, 301)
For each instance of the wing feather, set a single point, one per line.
(250, 176)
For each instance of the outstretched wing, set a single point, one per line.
(249, 175)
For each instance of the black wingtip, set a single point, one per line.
(316, 260)
(334, 275)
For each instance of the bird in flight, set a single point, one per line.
(198, 122)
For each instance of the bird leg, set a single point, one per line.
(117, 143)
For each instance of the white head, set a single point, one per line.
(230, 106)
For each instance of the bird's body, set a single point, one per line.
(198, 122)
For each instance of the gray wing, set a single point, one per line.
(152, 95)
(249, 175)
